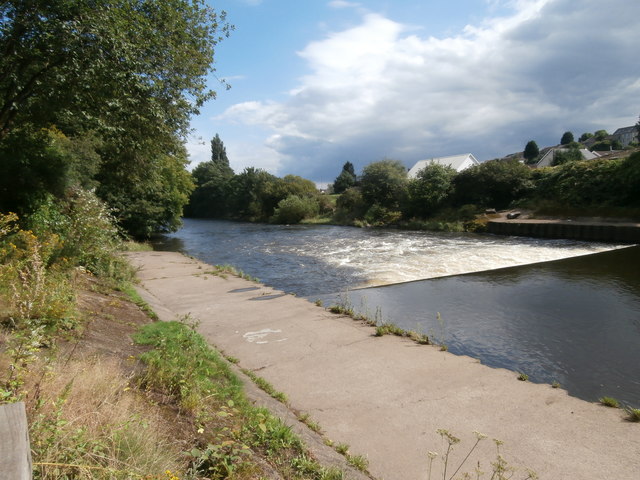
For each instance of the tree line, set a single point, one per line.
(383, 194)
(97, 95)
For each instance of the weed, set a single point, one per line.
(555, 384)
(342, 448)
(523, 377)
(501, 470)
(609, 402)
(266, 386)
(318, 303)
(358, 461)
(633, 414)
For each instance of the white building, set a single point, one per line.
(457, 162)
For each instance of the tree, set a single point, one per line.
(567, 138)
(638, 130)
(105, 61)
(129, 74)
(430, 189)
(384, 183)
(346, 179)
(585, 136)
(531, 151)
(493, 184)
(600, 135)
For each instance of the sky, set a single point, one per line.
(317, 83)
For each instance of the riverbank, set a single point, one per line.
(386, 396)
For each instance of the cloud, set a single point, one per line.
(379, 89)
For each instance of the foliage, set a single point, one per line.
(171, 367)
(585, 136)
(430, 189)
(531, 151)
(350, 205)
(561, 157)
(119, 81)
(212, 179)
(606, 145)
(600, 135)
(346, 179)
(567, 138)
(378, 216)
(599, 182)
(384, 183)
(493, 184)
(609, 402)
(294, 208)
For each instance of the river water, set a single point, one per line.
(557, 310)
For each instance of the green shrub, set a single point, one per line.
(295, 208)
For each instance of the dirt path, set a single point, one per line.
(387, 396)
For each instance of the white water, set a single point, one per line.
(394, 257)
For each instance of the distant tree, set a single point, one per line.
(571, 154)
(430, 189)
(531, 151)
(384, 183)
(219, 155)
(567, 137)
(600, 135)
(638, 130)
(212, 180)
(492, 184)
(585, 136)
(346, 179)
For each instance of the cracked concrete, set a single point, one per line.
(387, 396)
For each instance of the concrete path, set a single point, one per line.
(386, 396)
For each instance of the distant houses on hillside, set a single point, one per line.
(457, 162)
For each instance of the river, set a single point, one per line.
(558, 310)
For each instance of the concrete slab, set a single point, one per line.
(387, 396)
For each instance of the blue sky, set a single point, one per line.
(316, 83)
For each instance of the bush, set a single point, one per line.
(378, 216)
(294, 208)
(350, 205)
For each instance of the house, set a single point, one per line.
(457, 162)
(626, 135)
(548, 158)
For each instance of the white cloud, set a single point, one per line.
(378, 89)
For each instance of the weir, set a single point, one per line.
(590, 231)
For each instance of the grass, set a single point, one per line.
(633, 414)
(266, 386)
(523, 377)
(381, 328)
(609, 402)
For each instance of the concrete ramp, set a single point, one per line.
(386, 396)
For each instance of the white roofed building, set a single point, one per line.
(457, 162)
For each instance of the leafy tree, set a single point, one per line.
(430, 189)
(212, 184)
(492, 184)
(567, 137)
(123, 75)
(531, 151)
(106, 61)
(561, 157)
(600, 135)
(384, 183)
(295, 208)
(638, 130)
(585, 136)
(350, 205)
(346, 179)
